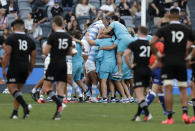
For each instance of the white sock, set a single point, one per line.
(34, 90)
(41, 97)
(69, 90)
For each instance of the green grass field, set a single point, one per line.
(88, 117)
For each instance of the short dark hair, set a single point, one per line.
(114, 17)
(76, 34)
(143, 30)
(18, 22)
(174, 11)
(58, 20)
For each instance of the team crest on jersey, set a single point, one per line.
(12, 80)
(138, 84)
(164, 76)
(50, 78)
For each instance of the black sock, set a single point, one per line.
(104, 98)
(170, 114)
(112, 98)
(15, 112)
(193, 104)
(185, 109)
(60, 98)
(53, 96)
(144, 106)
(18, 96)
(139, 110)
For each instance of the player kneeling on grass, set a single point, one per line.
(142, 72)
(58, 45)
(18, 49)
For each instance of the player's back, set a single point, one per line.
(175, 37)
(22, 45)
(141, 51)
(78, 57)
(119, 29)
(60, 42)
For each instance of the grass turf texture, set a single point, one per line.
(88, 117)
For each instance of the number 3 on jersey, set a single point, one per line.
(23, 45)
(63, 44)
(145, 51)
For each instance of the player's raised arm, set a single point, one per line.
(6, 58)
(108, 30)
(90, 41)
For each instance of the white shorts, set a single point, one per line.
(87, 47)
(46, 63)
(90, 66)
(69, 64)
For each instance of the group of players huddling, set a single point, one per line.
(109, 58)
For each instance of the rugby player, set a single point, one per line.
(142, 72)
(176, 37)
(58, 45)
(18, 49)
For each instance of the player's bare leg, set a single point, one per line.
(126, 89)
(34, 92)
(193, 100)
(15, 90)
(120, 89)
(142, 104)
(103, 89)
(112, 90)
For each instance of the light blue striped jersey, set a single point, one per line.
(93, 29)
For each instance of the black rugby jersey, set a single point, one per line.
(60, 42)
(175, 37)
(141, 51)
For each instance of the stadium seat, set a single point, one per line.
(46, 28)
(95, 3)
(11, 18)
(137, 21)
(128, 21)
(22, 4)
(153, 29)
(82, 20)
(24, 11)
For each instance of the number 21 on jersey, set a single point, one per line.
(145, 51)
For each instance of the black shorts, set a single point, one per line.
(174, 72)
(56, 72)
(16, 76)
(142, 75)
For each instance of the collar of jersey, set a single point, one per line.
(18, 32)
(142, 38)
(60, 31)
(175, 22)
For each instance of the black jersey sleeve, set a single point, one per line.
(131, 46)
(2, 40)
(192, 36)
(33, 47)
(9, 41)
(50, 40)
(160, 32)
